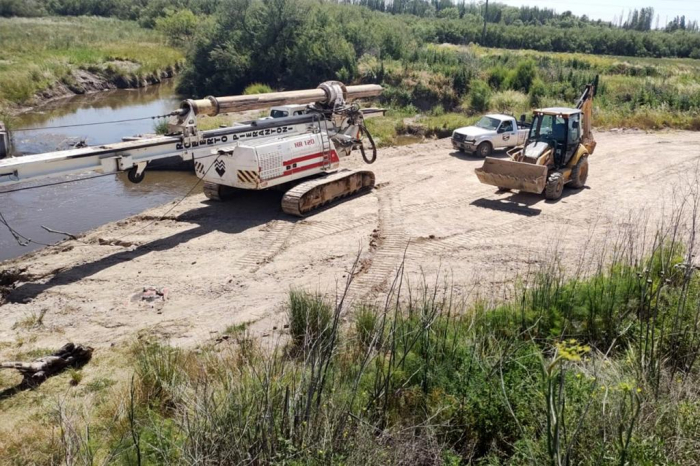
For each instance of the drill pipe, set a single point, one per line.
(213, 106)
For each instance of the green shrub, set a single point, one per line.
(257, 88)
(479, 96)
(509, 102)
(367, 326)
(178, 27)
(497, 77)
(521, 78)
(537, 92)
(309, 317)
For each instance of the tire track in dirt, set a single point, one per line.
(311, 231)
(391, 240)
(274, 241)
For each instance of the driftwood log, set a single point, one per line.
(35, 372)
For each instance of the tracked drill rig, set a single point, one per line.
(299, 154)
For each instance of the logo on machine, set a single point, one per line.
(234, 137)
(220, 167)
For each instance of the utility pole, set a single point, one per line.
(486, 14)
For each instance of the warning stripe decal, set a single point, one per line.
(248, 176)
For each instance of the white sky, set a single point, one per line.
(608, 9)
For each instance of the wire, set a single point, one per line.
(19, 237)
(97, 123)
(26, 188)
(199, 180)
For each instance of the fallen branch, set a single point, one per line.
(51, 230)
(40, 369)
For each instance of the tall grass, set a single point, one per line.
(37, 53)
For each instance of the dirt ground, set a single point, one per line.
(230, 263)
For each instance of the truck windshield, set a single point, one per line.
(488, 123)
(548, 127)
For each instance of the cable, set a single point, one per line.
(97, 123)
(199, 180)
(26, 188)
(19, 237)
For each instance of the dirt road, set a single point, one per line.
(230, 263)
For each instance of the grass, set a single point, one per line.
(37, 53)
(310, 317)
(591, 365)
(31, 321)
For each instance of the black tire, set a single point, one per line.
(554, 186)
(134, 177)
(579, 174)
(485, 149)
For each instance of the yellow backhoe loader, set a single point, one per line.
(555, 153)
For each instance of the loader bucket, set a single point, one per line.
(508, 174)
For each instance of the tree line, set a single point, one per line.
(285, 43)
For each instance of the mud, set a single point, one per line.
(234, 262)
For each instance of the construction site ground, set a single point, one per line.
(223, 264)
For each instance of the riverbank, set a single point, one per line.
(473, 378)
(43, 59)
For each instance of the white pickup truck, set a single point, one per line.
(492, 132)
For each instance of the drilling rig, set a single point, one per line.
(298, 154)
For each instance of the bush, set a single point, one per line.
(309, 318)
(537, 92)
(521, 78)
(367, 326)
(257, 88)
(479, 96)
(497, 77)
(178, 27)
(509, 102)
(460, 82)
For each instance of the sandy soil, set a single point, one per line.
(229, 263)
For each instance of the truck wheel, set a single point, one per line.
(554, 187)
(484, 149)
(579, 174)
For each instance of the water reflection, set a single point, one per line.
(77, 207)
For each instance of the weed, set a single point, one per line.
(309, 317)
(31, 321)
(75, 376)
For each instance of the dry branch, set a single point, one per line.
(40, 369)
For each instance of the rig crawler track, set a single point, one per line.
(313, 194)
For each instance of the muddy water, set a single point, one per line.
(83, 205)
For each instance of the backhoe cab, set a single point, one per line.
(555, 154)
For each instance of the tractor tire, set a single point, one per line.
(579, 174)
(554, 187)
(484, 149)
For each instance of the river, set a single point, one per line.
(83, 205)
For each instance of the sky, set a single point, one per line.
(609, 9)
